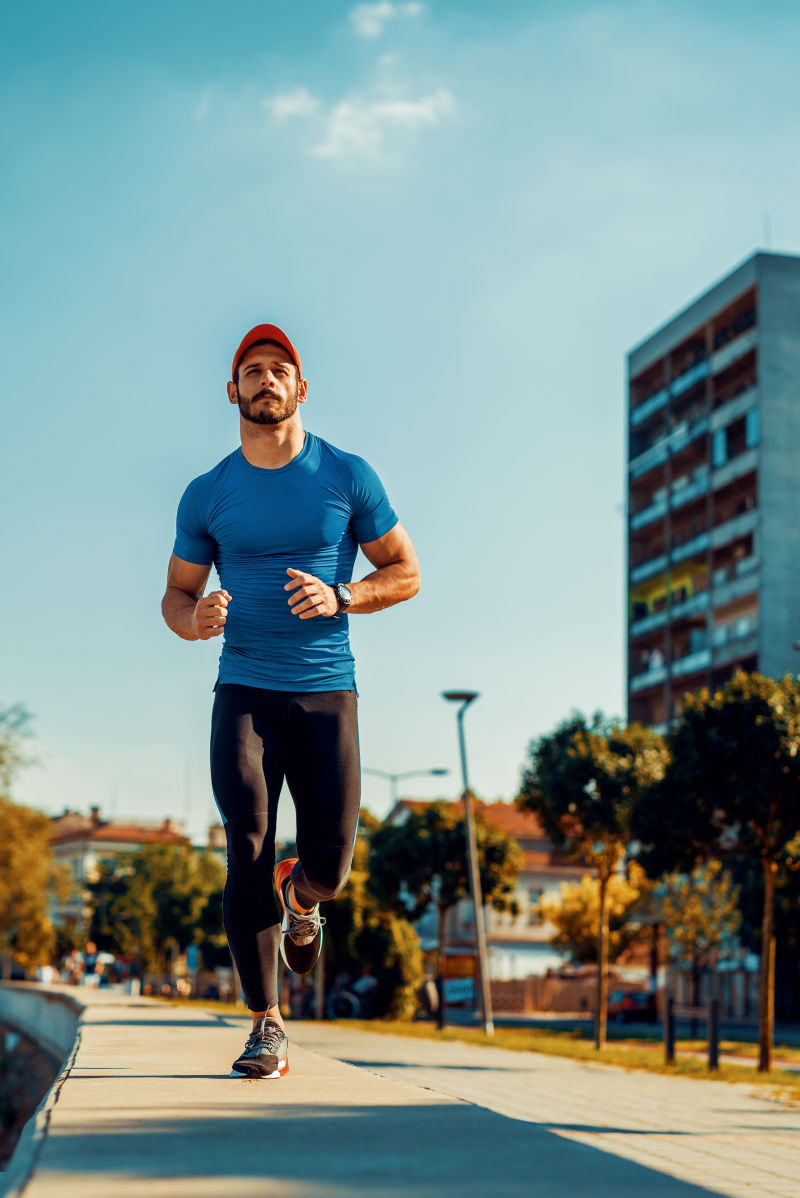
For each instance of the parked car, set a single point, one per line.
(628, 1005)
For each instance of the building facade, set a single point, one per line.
(713, 491)
(84, 842)
(518, 946)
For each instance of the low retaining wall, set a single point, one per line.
(49, 1018)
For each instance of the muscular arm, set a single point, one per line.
(395, 578)
(186, 612)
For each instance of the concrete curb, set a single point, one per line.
(40, 1015)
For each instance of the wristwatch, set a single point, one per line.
(344, 596)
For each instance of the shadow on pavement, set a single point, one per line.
(431, 1150)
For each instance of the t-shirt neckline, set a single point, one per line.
(278, 469)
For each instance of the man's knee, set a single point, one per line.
(324, 871)
(250, 847)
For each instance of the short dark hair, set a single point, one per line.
(265, 342)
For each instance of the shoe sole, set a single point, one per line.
(253, 1074)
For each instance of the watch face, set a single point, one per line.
(344, 594)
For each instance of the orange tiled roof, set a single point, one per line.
(72, 826)
(522, 824)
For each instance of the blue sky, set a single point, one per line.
(464, 218)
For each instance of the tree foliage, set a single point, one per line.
(700, 911)
(732, 789)
(28, 874)
(575, 915)
(424, 860)
(157, 901)
(583, 782)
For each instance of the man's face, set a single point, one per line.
(268, 388)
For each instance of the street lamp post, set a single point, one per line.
(393, 779)
(465, 698)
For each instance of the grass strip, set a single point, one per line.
(578, 1047)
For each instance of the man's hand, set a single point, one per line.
(311, 597)
(210, 614)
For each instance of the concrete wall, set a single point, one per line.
(779, 464)
(48, 1017)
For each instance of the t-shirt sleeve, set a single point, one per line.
(193, 542)
(373, 515)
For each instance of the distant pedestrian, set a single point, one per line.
(281, 518)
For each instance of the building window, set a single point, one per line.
(752, 428)
(719, 447)
(534, 895)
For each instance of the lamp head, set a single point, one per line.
(460, 696)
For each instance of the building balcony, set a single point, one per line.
(737, 649)
(656, 455)
(684, 494)
(697, 544)
(650, 405)
(654, 677)
(689, 377)
(733, 409)
(744, 463)
(691, 606)
(647, 515)
(672, 443)
(700, 660)
(647, 569)
(733, 350)
(735, 582)
(731, 530)
(648, 623)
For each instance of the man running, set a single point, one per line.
(281, 519)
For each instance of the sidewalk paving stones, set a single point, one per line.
(148, 1109)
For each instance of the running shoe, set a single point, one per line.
(301, 932)
(266, 1053)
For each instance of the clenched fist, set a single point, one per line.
(312, 597)
(210, 614)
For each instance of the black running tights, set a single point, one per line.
(258, 738)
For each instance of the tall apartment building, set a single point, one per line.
(714, 490)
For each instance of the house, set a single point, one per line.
(518, 946)
(84, 842)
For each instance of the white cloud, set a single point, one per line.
(299, 102)
(368, 20)
(358, 126)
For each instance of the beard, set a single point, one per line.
(274, 413)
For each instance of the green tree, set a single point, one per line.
(575, 914)
(732, 788)
(583, 781)
(15, 723)
(28, 874)
(362, 932)
(423, 860)
(700, 912)
(155, 902)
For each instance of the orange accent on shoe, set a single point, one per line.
(282, 871)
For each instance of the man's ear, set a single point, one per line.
(302, 391)
(233, 394)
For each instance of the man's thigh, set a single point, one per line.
(248, 735)
(322, 766)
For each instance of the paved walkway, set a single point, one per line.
(147, 1108)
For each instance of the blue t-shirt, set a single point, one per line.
(253, 523)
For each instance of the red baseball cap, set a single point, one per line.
(266, 332)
